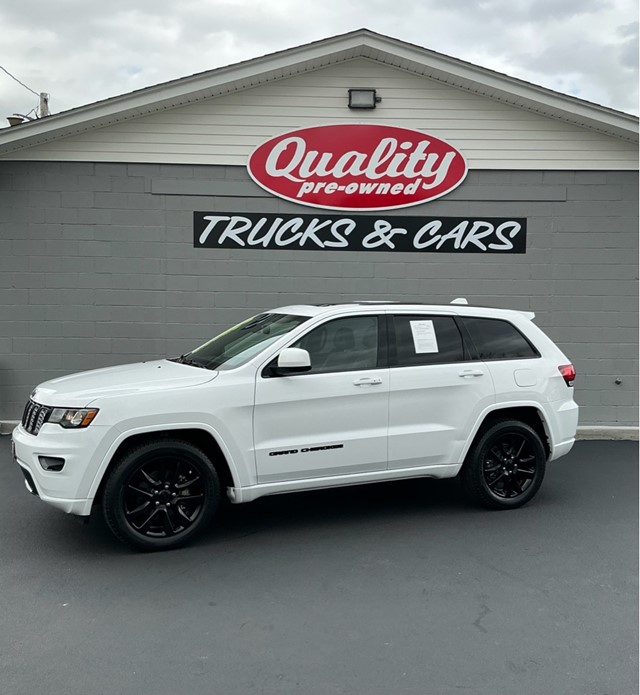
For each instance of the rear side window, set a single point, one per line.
(495, 339)
(423, 340)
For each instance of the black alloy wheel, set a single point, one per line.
(505, 466)
(160, 495)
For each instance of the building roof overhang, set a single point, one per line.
(362, 43)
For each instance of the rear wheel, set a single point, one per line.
(505, 466)
(160, 495)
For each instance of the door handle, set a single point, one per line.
(367, 381)
(470, 372)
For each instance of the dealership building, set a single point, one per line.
(358, 167)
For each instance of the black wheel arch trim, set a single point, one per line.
(200, 437)
(529, 414)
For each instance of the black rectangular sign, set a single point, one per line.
(340, 232)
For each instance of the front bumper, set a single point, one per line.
(67, 489)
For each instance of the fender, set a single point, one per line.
(496, 408)
(160, 429)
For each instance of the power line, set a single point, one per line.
(18, 81)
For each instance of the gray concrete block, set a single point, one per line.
(144, 170)
(138, 218)
(113, 232)
(589, 256)
(111, 169)
(605, 271)
(558, 177)
(594, 193)
(131, 249)
(520, 192)
(56, 182)
(94, 183)
(128, 184)
(144, 201)
(111, 265)
(45, 361)
(496, 178)
(592, 240)
(14, 298)
(591, 178)
(45, 199)
(57, 215)
(22, 280)
(28, 182)
(180, 171)
(94, 216)
(117, 297)
(186, 283)
(604, 208)
(194, 187)
(140, 281)
(155, 314)
(185, 331)
(78, 329)
(571, 288)
(146, 348)
(624, 415)
(110, 200)
(130, 329)
(76, 199)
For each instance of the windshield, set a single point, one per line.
(240, 343)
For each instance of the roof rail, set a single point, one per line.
(460, 300)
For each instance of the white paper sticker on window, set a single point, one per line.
(424, 336)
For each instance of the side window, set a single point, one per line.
(342, 345)
(498, 340)
(426, 340)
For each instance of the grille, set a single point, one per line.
(34, 416)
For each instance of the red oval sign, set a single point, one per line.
(357, 166)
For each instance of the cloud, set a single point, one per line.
(81, 52)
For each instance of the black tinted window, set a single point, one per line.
(240, 343)
(426, 340)
(342, 345)
(498, 340)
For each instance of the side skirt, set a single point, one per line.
(239, 495)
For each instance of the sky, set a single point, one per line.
(81, 51)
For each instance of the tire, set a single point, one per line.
(505, 466)
(160, 495)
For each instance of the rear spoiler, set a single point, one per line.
(527, 314)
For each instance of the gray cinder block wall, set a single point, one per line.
(97, 267)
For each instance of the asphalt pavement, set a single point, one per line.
(399, 588)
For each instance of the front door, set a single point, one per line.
(332, 420)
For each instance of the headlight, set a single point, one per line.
(73, 417)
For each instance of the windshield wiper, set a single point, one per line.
(185, 359)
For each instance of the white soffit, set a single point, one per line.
(309, 57)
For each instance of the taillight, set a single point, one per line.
(568, 372)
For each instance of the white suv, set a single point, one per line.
(300, 398)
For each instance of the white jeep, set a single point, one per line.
(300, 398)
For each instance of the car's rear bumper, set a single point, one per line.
(565, 424)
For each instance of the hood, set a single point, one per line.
(79, 390)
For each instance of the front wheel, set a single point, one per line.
(160, 495)
(505, 466)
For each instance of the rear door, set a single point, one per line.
(436, 391)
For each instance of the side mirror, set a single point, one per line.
(292, 361)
